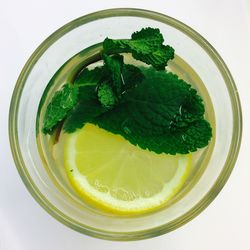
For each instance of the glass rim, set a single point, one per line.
(195, 210)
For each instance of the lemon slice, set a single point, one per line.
(112, 174)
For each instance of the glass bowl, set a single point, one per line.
(68, 41)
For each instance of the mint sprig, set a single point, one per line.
(95, 95)
(152, 109)
(145, 45)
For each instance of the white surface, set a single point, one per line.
(24, 225)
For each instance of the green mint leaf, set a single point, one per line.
(163, 114)
(183, 141)
(152, 36)
(162, 102)
(145, 45)
(158, 59)
(86, 109)
(106, 96)
(62, 102)
(114, 66)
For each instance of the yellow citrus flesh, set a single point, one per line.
(114, 175)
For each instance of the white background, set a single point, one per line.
(24, 225)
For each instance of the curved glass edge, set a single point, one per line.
(211, 194)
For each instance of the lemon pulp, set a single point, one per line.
(112, 174)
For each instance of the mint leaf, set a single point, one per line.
(110, 90)
(152, 37)
(162, 102)
(106, 96)
(163, 114)
(87, 109)
(145, 45)
(114, 66)
(62, 102)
